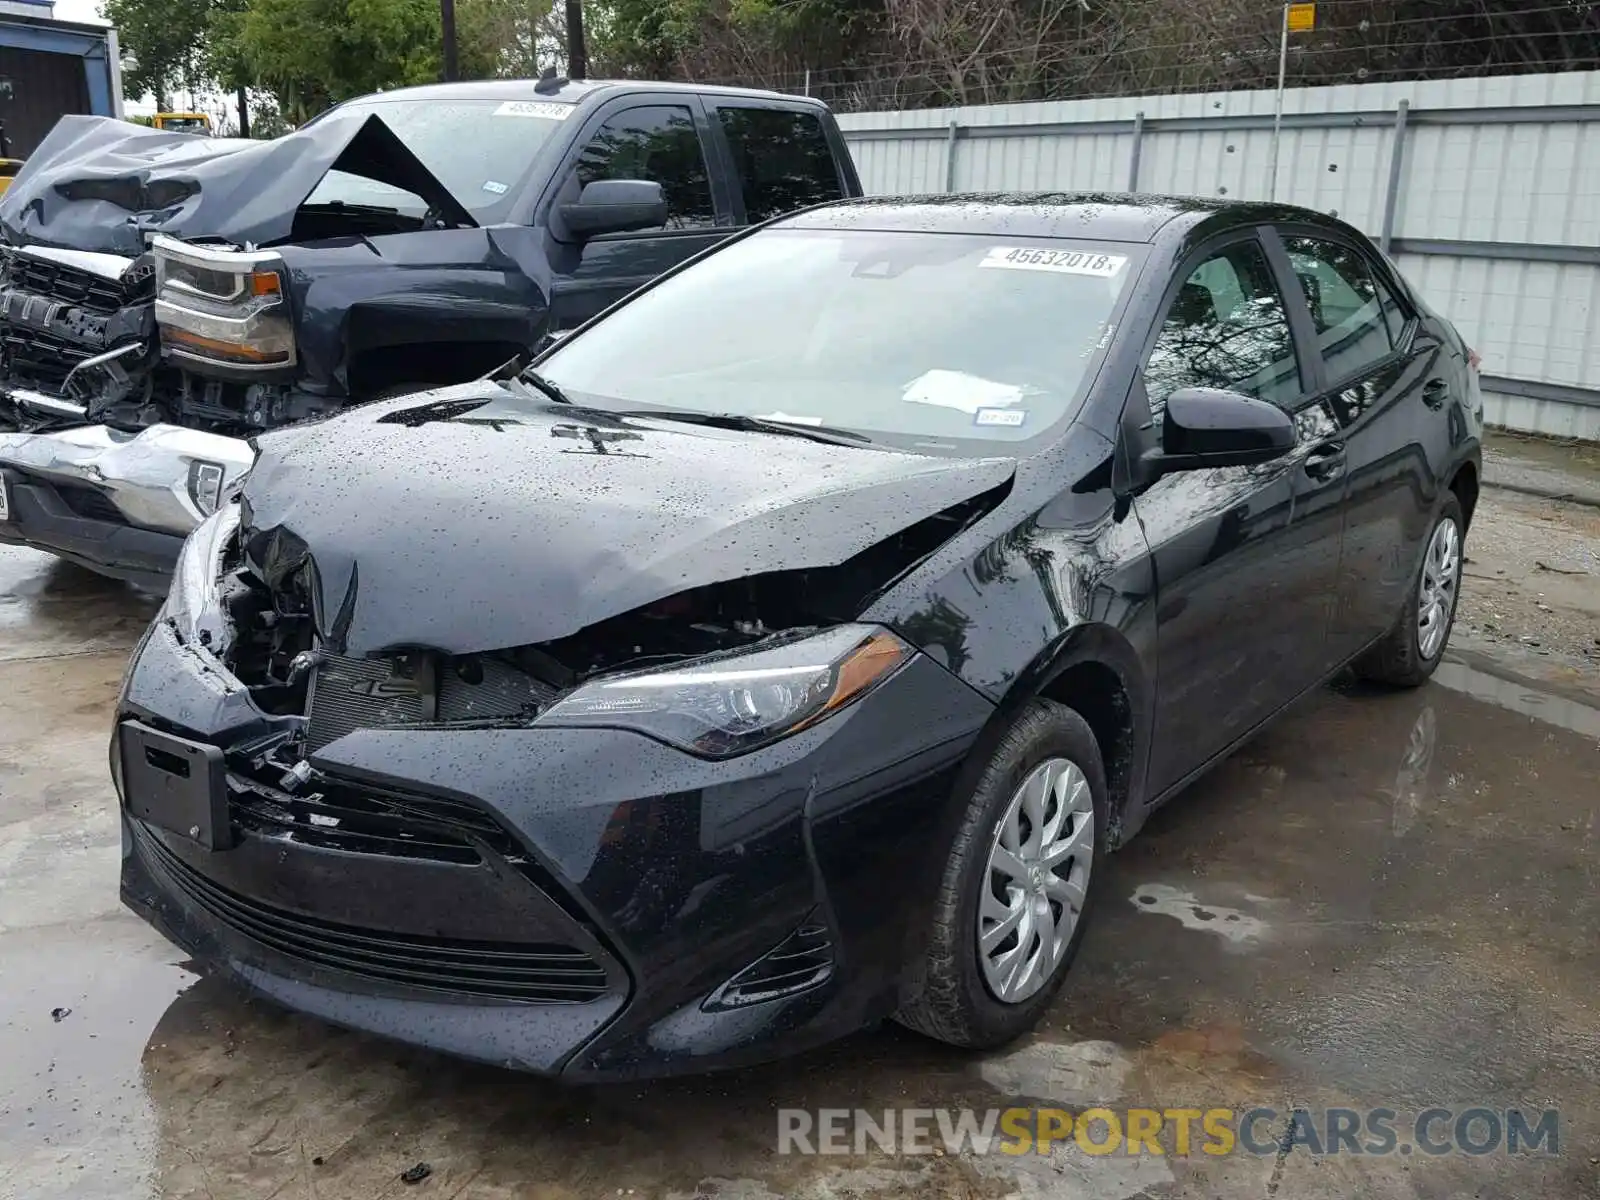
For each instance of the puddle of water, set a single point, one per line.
(49, 608)
(76, 1119)
(1516, 696)
(1233, 925)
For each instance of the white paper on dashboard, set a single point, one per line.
(960, 391)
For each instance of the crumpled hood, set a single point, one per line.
(96, 183)
(473, 518)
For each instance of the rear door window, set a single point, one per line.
(783, 159)
(656, 142)
(1357, 318)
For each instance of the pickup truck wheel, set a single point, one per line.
(1018, 884)
(1413, 648)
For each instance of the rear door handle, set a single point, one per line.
(1435, 392)
(1326, 462)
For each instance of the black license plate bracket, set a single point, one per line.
(178, 785)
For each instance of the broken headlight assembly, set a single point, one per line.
(194, 604)
(223, 309)
(731, 704)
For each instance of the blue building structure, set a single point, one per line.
(49, 68)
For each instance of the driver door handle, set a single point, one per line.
(1326, 462)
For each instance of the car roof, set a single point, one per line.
(1095, 216)
(569, 91)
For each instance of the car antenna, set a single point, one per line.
(550, 82)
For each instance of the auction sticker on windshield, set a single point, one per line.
(1067, 262)
(534, 108)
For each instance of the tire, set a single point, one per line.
(950, 995)
(1401, 660)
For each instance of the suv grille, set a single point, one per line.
(546, 974)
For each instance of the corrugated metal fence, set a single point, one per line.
(1486, 191)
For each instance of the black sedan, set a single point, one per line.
(786, 649)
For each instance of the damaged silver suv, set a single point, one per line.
(164, 297)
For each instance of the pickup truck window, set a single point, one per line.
(783, 160)
(479, 150)
(656, 142)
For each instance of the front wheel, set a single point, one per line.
(1413, 648)
(1017, 886)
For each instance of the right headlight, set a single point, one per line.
(731, 704)
(223, 308)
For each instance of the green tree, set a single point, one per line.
(313, 53)
(166, 41)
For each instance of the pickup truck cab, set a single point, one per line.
(165, 296)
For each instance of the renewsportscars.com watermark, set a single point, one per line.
(1179, 1132)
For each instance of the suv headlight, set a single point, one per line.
(194, 604)
(224, 308)
(730, 704)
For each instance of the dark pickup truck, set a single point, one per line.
(164, 296)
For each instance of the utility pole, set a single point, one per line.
(1297, 18)
(1277, 105)
(447, 20)
(577, 52)
(244, 112)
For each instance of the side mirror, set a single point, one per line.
(616, 206)
(1210, 427)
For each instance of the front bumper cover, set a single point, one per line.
(118, 503)
(674, 873)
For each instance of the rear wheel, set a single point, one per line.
(1413, 648)
(1017, 886)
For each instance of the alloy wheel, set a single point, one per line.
(1436, 592)
(1035, 880)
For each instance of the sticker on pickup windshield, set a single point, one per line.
(534, 108)
(1065, 262)
(496, 187)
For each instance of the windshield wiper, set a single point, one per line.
(828, 434)
(547, 388)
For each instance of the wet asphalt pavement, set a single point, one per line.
(1385, 900)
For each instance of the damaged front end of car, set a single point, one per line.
(716, 670)
(433, 774)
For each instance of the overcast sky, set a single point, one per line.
(78, 10)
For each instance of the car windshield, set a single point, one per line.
(942, 343)
(479, 150)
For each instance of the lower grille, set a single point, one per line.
(359, 693)
(545, 974)
(91, 505)
(800, 962)
(334, 814)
